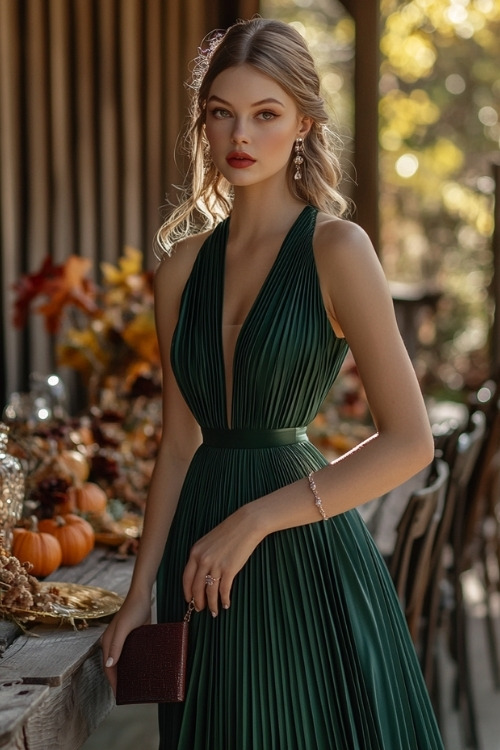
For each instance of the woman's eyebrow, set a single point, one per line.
(269, 100)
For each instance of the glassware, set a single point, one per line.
(48, 396)
(12, 486)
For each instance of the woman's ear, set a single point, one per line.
(305, 125)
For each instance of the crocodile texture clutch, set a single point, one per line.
(152, 665)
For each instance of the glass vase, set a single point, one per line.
(12, 486)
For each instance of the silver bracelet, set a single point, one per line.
(317, 499)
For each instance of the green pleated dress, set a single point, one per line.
(314, 653)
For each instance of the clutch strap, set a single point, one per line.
(190, 611)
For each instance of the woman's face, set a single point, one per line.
(251, 126)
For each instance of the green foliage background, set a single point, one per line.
(439, 134)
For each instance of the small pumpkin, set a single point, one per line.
(37, 547)
(88, 498)
(76, 463)
(74, 534)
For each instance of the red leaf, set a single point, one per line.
(30, 286)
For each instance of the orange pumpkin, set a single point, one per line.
(42, 550)
(74, 534)
(88, 498)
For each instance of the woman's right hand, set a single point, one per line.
(135, 611)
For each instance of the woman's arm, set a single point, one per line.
(359, 304)
(181, 437)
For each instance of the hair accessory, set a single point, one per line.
(209, 581)
(298, 159)
(317, 499)
(205, 52)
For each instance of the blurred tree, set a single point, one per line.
(329, 31)
(439, 135)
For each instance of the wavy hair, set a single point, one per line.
(277, 50)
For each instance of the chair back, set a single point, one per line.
(462, 466)
(476, 494)
(410, 562)
(442, 563)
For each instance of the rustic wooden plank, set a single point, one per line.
(101, 568)
(51, 656)
(71, 711)
(17, 703)
(8, 632)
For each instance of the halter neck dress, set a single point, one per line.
(314, 652)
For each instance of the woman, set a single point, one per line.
(299, 640)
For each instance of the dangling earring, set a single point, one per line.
(298, 159)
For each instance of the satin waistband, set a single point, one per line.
(254, 438)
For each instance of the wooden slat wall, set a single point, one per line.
(91, 102)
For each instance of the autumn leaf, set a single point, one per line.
(115, 334)
(82, 351)
(30, 286)
(70, 288)
(140, 335)
(129, 266)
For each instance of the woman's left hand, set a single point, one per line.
(218, 557)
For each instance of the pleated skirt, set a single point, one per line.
(314, 652)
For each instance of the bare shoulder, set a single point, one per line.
(337, 238)
(175, 268)
(351, 277)
(343, 249)
(181, 260)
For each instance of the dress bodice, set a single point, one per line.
(286, 355)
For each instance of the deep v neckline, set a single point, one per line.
(232, 361)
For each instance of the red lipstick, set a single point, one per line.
(239, 160)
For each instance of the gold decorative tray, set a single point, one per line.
(73, 602)
(117, 532)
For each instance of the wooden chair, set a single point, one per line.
(476, 500)
(490, 555)
(462, 529)
(441, 592)
(416, 533)
(478, 509)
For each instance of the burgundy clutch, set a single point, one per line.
(152, 665)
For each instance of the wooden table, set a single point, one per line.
(53, 692)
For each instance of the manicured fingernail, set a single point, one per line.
(110, 662)
(225, 606)
(214, 614)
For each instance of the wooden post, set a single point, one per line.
(366, 14)
(495, 282)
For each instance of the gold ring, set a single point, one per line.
(209, 581)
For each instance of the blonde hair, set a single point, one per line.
(280, 52)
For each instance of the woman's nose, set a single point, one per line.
(239, 134)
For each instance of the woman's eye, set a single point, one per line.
(220, 113)
(267, 115)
